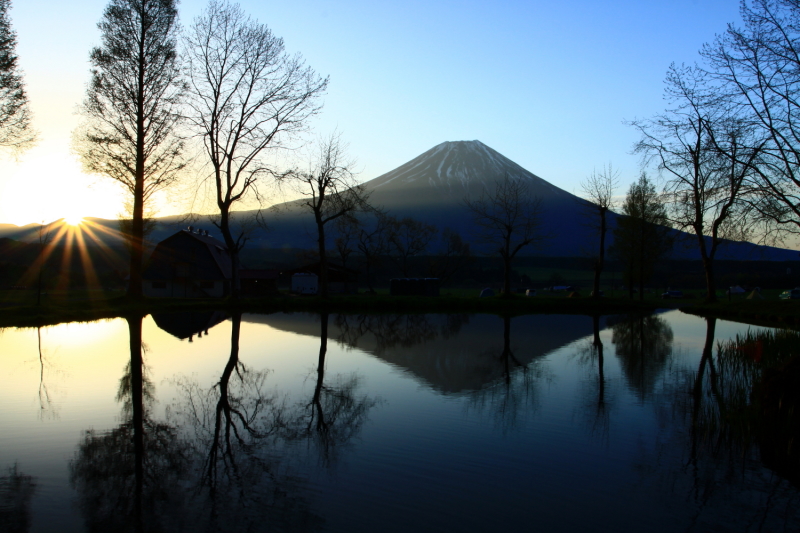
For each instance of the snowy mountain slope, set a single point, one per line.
(452, 170)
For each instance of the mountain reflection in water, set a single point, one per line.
(318, 422)
(452, 354)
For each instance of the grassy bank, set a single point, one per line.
(772, 312)
(17, 310)
(98, 305)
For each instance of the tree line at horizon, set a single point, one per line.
(726, 148)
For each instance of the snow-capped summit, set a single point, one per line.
(452, 170)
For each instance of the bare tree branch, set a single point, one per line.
(509, 218)
(247, 97)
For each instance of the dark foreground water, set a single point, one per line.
(389, 423)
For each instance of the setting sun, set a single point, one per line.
(73, 220)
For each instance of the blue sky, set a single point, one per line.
(547, 84)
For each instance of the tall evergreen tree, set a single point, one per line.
(642, 236)
(16, 132)
(131, 109)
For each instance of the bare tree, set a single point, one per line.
(508, 218)
(707, 161)
(599, 190)
(131, 109)
(16, 132)
(345, 241)
(757, 69)
(452, 255)
(247, 96)
(331, 193)
(409, 238)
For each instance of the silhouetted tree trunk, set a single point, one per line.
(132, 109)
(44, 239)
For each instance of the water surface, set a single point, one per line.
(204, 422)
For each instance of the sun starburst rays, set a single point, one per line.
(79, 246)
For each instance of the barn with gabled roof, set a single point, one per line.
(188, 264)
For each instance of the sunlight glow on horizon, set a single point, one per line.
(47, 184)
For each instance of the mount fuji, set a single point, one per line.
(432, 188)
(450, 171)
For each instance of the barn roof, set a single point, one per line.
(170, 251)
(217, 249)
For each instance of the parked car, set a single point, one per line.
(672, 294)
(793, 294)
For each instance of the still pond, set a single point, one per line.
(302, 422)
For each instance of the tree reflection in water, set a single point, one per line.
(214, 465)
(722, 424)
(16, 491)
(237, 433)
(643, 345)
(336, 411)
(515, 394)
(129, 478)
(47, 408)
(591, 354)
(745, 399)
(244, 437)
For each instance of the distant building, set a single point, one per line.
(189, 264)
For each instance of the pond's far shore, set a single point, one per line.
(82, 306)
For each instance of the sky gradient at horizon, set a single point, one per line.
(548, 85)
